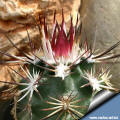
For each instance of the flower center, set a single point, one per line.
(62, 70)
(90, 60)
(95, 83)
(65, 103)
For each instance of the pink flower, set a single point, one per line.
(61, 48)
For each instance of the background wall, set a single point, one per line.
(102, 19)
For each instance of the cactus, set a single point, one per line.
(60, 84)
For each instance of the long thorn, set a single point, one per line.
(17, 48)
(55, 99)
(45, 62)
(76, 112)
(52, 103)
(41, 67)
(18, 73)
(52, 114)
(71, 114)
(30, 41)
(78, 58)
(59, 115)
(109, 57)
(13, 83)
(108, 50)
(53, 108)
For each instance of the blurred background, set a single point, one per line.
(102, 22)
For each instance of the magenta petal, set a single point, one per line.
(45, 29)
(71, 35)
(53, 39)
(59, 48)
(67, 44)
(62, 44)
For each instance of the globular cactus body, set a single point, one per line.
(53, 92)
